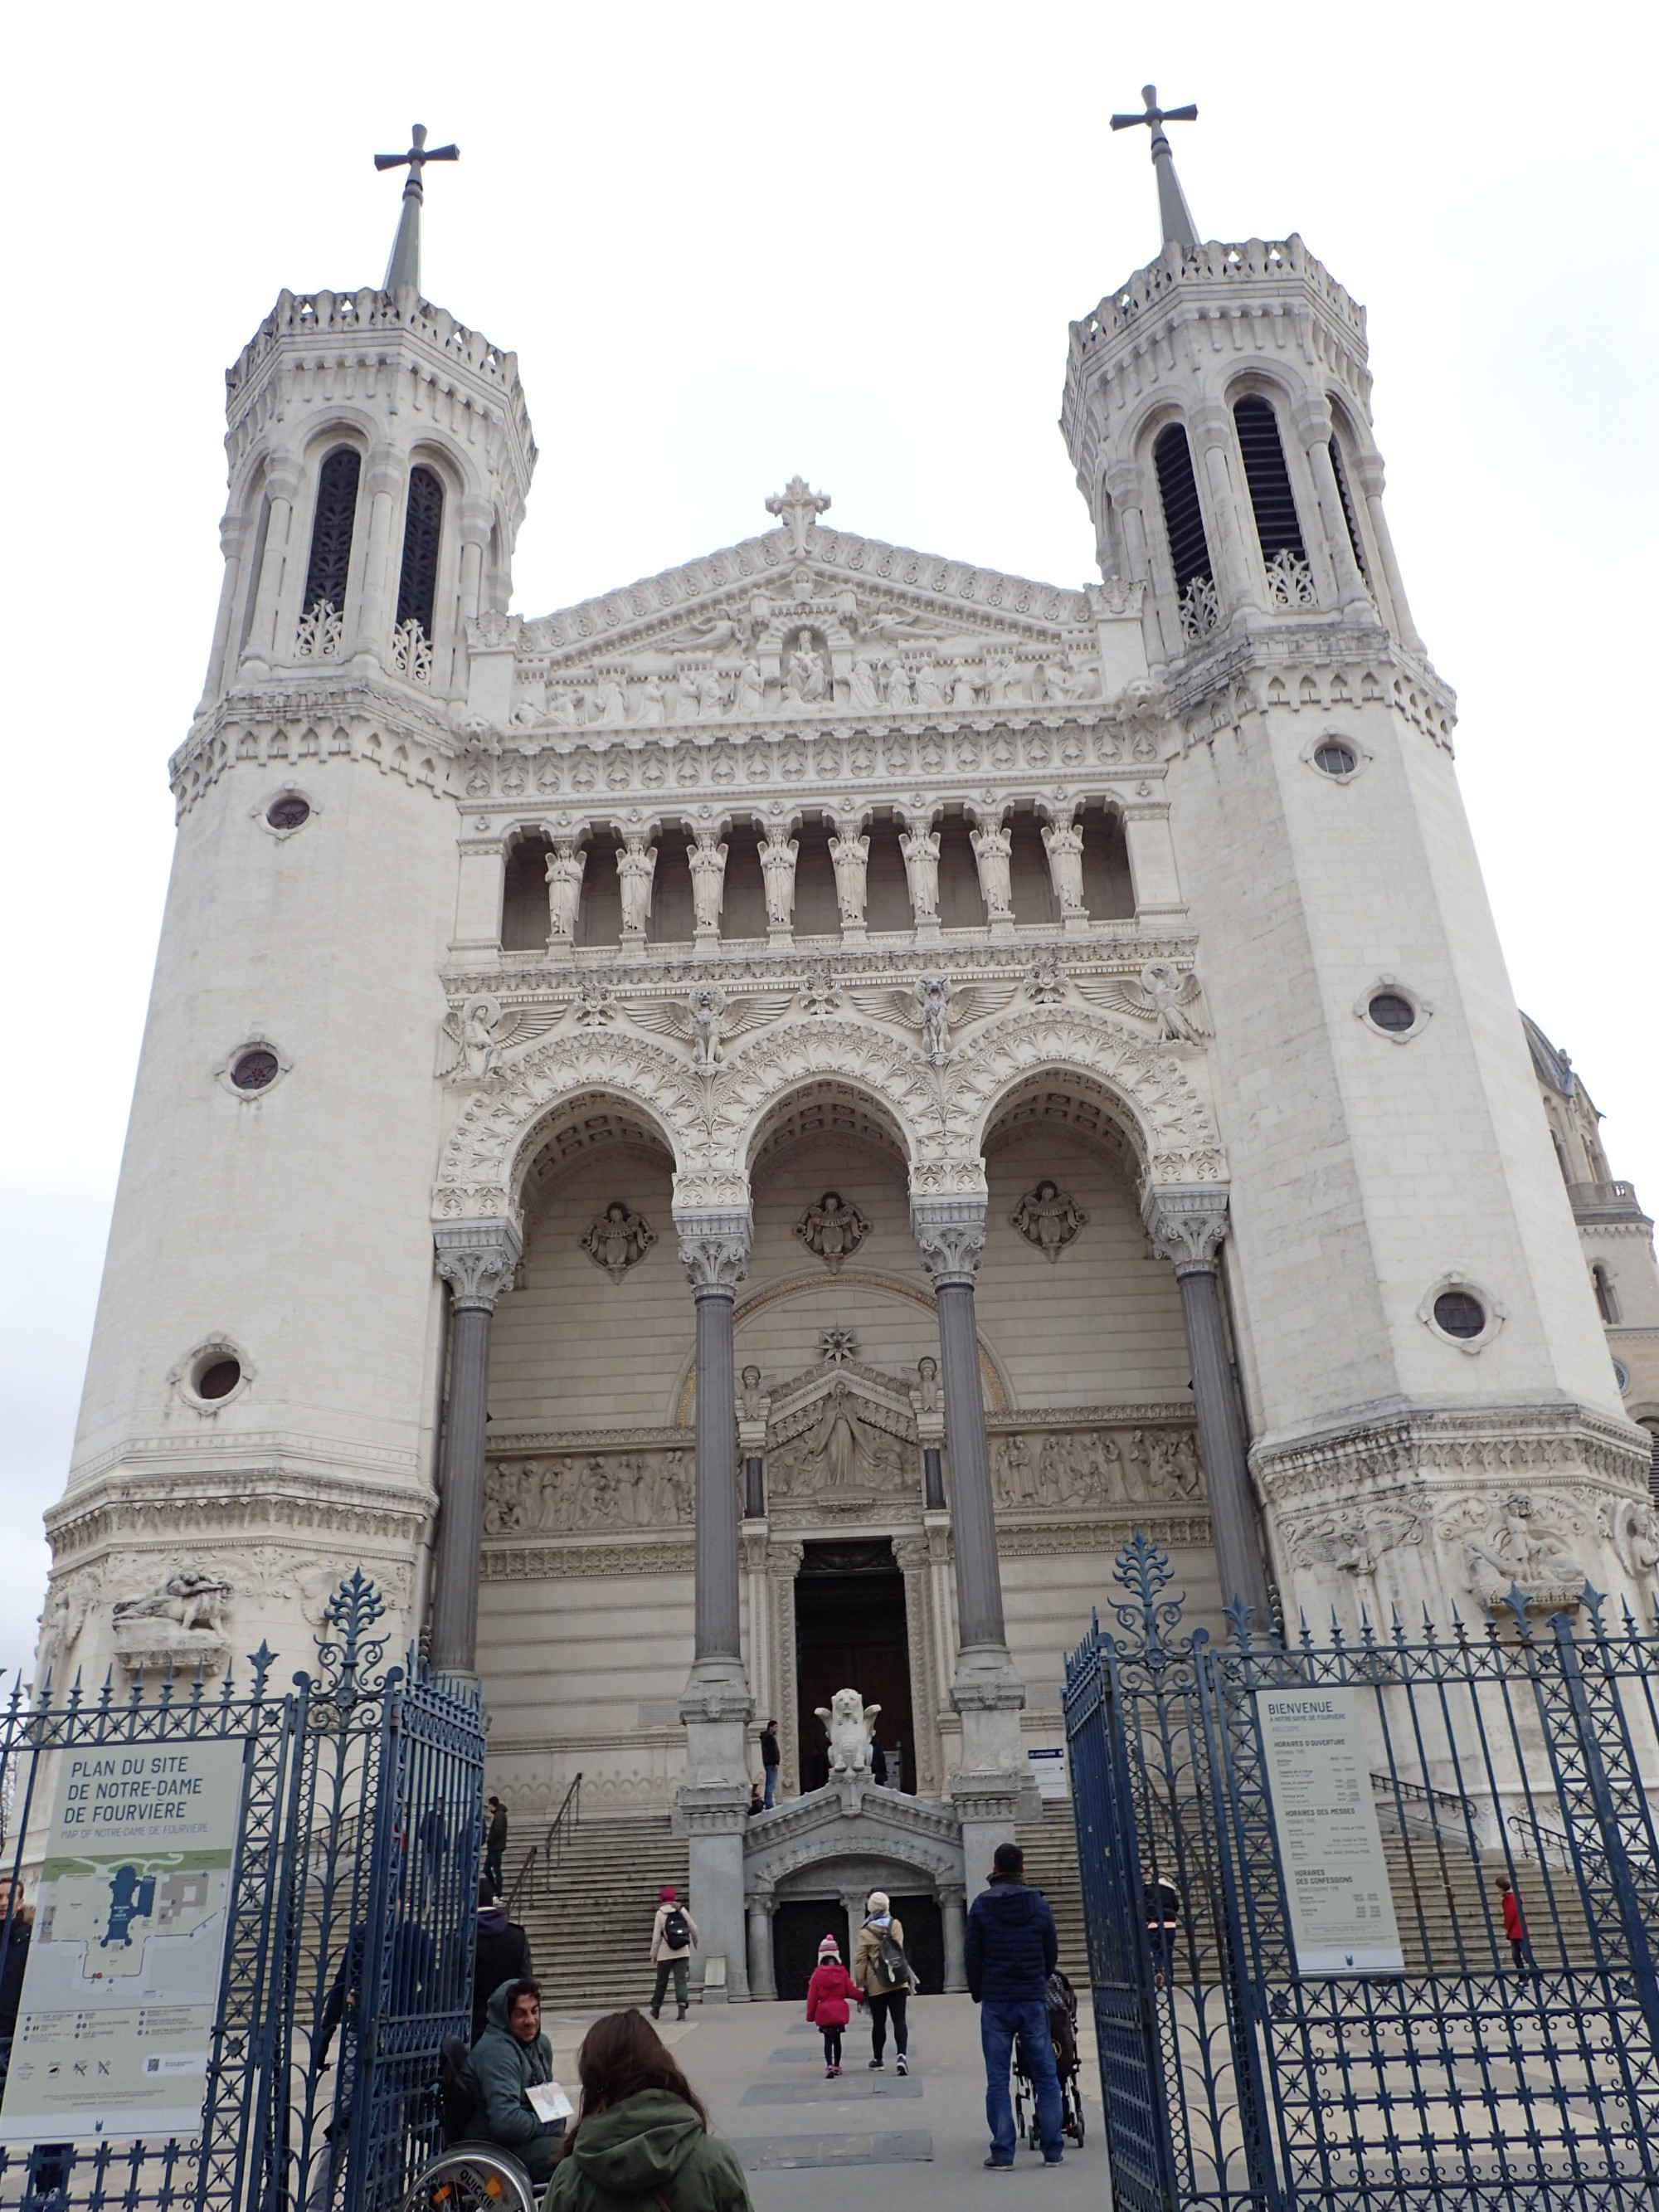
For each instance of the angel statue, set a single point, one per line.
(934, 1008)
(478, 1033)
(618, 1239)
(709, 1020)
(1163, 996)
(1048, 1218)
(833, 1229)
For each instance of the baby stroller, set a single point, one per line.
(1062, 2033)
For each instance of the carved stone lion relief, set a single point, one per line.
(1048, 1218)
(618, 1239)
(833, 1229)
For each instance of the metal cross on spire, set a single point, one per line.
(405, 266)
(1172, 206)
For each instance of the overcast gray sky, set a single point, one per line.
(733, 242)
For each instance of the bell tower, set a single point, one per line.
(1411, 1319)
(261, 1398)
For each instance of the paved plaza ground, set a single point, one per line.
(811, 2145)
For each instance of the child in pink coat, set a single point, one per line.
(829, 1993)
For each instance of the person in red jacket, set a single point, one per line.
(1515, 1926)
(829, 1994)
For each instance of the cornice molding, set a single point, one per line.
(1502, 1444)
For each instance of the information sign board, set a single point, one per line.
(1336, 1879)
(122, 1979)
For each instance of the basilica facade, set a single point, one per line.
(737, 1139)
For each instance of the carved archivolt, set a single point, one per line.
(712, 1119)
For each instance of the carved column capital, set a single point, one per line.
(1186, 1226)
(714, 1243)
(477, 1259)
(950, 1234)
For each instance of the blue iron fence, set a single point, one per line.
(347, 1920)
(1445, 2057)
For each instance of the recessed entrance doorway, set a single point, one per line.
(851, 1633)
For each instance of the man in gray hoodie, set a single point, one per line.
(510, 2058)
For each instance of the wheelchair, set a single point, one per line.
(467, 2177)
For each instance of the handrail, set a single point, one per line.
(561, 1827)
(1438, 1802)
(1559, 1844)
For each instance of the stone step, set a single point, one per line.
(589, 1920)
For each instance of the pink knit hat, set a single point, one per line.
(666, 1894)
(829, 1948)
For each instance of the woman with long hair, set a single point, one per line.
(640, 2138)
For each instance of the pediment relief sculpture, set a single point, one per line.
(1087, 1467)
(618, 1239)
(833, 1229)
(570, 1494)
(842, 1455)
(1048, 1218)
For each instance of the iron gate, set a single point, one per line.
(348, 1921)
(1463, 2071)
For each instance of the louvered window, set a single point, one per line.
(418, 583)
(1276, 523)
(1348, 515)
(332, 529)
(1184, 518)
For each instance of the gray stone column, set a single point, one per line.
(954, 1917)
(477, 1259)
(1187, 1227)
(762, 1981)
(986, 1692)
(716, 1707)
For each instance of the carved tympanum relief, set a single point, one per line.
(569, 1491)
(618, 1239)
(833, 1229)
(1048, 1218)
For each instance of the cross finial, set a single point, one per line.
(405, 266)
(1172, 206)
(798, 507)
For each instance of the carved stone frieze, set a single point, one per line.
(569, 1491)
(133, 1504)
(1518, 1442)
(509, 1563)
(1069, 1468)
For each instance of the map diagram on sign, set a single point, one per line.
(107, 1910)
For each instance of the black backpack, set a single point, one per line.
(676, 1933)
(890, 1962)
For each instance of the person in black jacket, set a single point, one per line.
(501, 1954)
(771, 1760)
(1011, 1951)
(496, 1847)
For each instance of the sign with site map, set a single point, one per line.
(1336, 1879)
(122, 1981)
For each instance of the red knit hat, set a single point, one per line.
(666, 1894)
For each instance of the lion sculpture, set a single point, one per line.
(849, 1724)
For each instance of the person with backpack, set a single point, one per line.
(884, 1979)
(673, 1939)
(640, 2137)
(1012, 1949)
(829, 1994)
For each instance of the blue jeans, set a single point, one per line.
(999, 2024)
(771, 1786)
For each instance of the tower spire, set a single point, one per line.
(1177, 215)
(405, 266)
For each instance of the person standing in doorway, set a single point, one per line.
(673, 1939)
(495, 1844)
(1012, 1950)
(828, 1995)
(1515, 1927)
(771, 1760)
(883, 1975)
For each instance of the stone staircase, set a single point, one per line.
(589, 1923)
(1051, 1849)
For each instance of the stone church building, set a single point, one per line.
(735, 1141)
